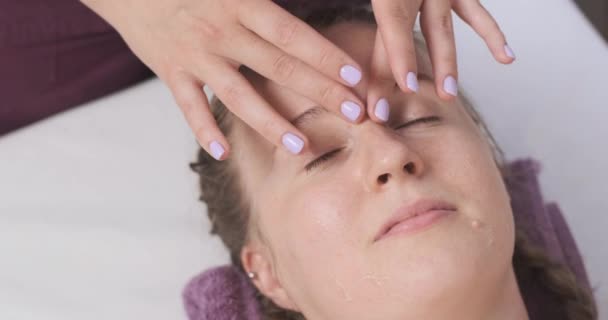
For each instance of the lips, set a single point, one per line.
(416, 215)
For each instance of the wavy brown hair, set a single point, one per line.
(229, 213)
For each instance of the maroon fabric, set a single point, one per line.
(220, 293)
(546, 227)
(57, 54)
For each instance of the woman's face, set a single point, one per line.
(319, 253)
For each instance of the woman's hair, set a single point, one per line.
(229, 212)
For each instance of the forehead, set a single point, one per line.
(357, 39)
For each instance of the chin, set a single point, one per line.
(442, 264)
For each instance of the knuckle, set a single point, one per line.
(475, 19)
(269, 127)
(445, 24)
(399, 15)
(231, 95)
(185, 103)
(325, 57)
(210, 31)
(201, 25)
(184, 99)
(328, 94)
(284, 67)
(287, 30)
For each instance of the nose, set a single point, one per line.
(387, 157)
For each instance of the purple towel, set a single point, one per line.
(225, 293)
(222, 293)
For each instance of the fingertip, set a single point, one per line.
(508, 51)
(444, 96)
(448, 88)
(352, 111)
(351, 74)
(381, 110)
(504, 54)
(509, 54)
(411, 82)
(294, 142)
(403, 86)
(218, 150)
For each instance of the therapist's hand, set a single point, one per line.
(394, 57)
(190, 43)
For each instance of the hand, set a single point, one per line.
(190, 43)
(394, 57)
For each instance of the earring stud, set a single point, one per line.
(251, 275)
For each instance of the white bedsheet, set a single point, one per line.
(98, 210)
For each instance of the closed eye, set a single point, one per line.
(326, 156)
(419, 120)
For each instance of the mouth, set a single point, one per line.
(415, 216)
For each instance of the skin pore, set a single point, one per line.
(313, 247)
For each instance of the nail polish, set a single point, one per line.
(351, 110)
(382, 109)
(411, 81)
(450, 86)
(350, 74)
(217, 151)
(509, 52)
(292, 142)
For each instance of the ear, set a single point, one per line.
(257, 258)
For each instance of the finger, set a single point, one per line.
(436, 25)
(286, 70)
(293, 36)
(382, 83)
(241, 98)
(192, 100)
(396, 21)
(475, 15)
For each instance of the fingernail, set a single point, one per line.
(412, 81)
(217, 151)
(450, 86)
(292, 142)
(509, 52)
(382, 109)
(351, 110)
(350, 74)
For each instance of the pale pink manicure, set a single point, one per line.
(382, 109)
(217, 151)
(350, 74)
(450, 85)
(292, 142)
(351, 110)
(412, 81)
(509, 52)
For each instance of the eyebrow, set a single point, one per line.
(307, 116)
(315, 112)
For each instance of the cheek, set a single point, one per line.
(317, 243)
(320, 210)
(318, 222)
(466, 166)
(464, 161)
